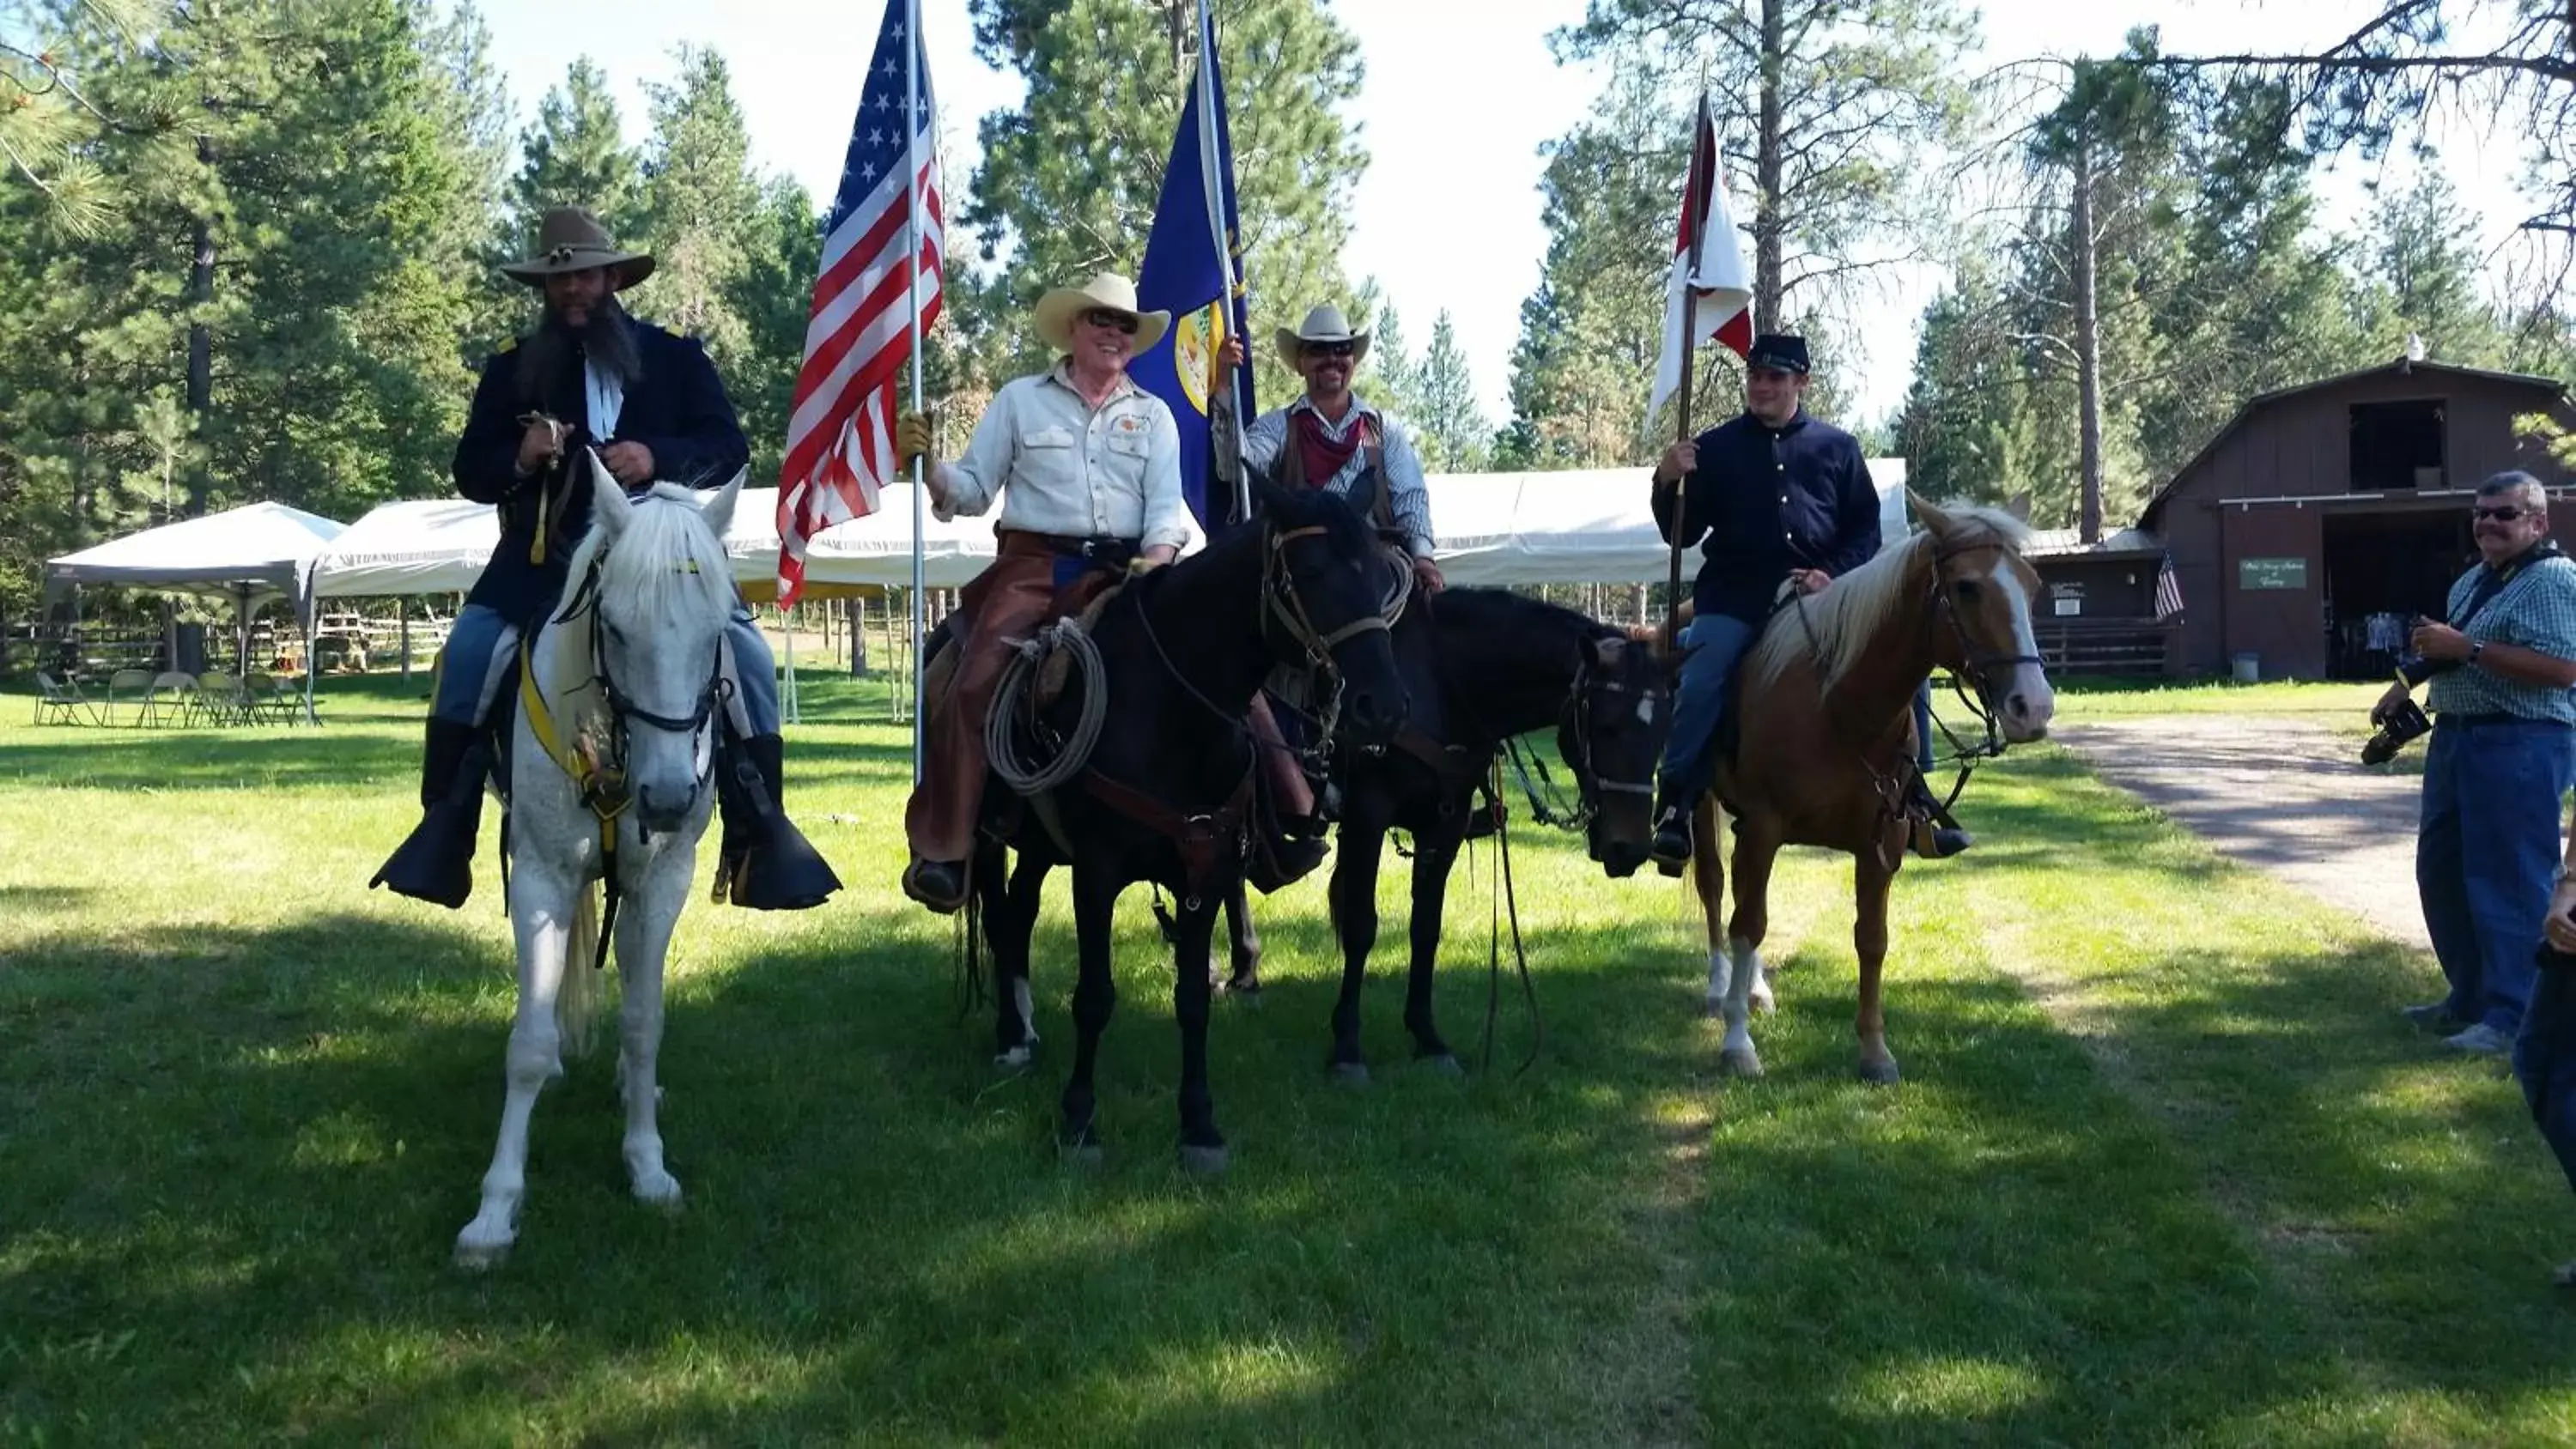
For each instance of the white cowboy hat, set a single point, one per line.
(1108, 291)
(1325, 324)
(571, 240)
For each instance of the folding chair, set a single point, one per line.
(60, 702)
(135, 685)
(219, 698)
(181, 691)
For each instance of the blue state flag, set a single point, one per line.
(1189, 270)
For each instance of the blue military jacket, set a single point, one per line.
(676, 407)
(1769, 500)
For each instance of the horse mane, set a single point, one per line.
(1507, 613)
(666, 561)
(1846, 616)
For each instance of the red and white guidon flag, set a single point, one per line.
(1718, 282)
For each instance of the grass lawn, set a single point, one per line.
(2164, 1168)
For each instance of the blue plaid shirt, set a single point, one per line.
(2536, 609)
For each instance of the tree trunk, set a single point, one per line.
(1768, 169)
(2088, 351)
(201, 342)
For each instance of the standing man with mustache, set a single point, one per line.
(591, 377)
(2503, 752)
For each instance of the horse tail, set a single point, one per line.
(577, 1003)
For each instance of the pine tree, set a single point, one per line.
(702, 214)
(1069, 181)
(1451, 434)
(1394, 381)
(575, 154)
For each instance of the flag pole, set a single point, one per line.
(1227, 437)
(1697, 210)
(912, 290)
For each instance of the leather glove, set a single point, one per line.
(911, 436)
(1140, 566)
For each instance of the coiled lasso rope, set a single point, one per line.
(1029, 657)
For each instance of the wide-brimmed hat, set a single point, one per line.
(1325, 324)
(571, 240)
(1108, 292)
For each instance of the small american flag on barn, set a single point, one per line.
(840, 430)
(2168, 589)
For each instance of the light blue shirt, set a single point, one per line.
(2535, 610)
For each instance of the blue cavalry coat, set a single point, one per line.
(676, 407)
(1769, 500)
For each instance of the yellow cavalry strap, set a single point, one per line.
(601, 790)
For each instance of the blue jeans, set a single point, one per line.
(1690, 754)
(2544, 1057)
(467, 683)
(2485, 855)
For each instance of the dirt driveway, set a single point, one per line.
(2281, 794)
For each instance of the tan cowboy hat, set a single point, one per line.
(1108, 291)
(571, 240)
(1325, 324)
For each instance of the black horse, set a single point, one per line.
(1482, 666)
(1167, 796)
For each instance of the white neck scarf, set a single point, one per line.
(607, 396)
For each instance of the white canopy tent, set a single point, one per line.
(247, 555)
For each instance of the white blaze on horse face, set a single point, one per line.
(2029, 683)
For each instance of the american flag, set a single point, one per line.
(840, 430)
(2168, 589)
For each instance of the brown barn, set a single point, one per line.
(2322, 513)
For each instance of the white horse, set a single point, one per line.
(611, 772)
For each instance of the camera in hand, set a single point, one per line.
(2398, 724)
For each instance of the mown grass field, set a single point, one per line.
(2164, 1168)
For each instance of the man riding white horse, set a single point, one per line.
(592, 378)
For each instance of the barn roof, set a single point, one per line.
(2402, 366)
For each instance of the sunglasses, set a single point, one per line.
(1103, 317)
(1327, 349)
(2506, 514)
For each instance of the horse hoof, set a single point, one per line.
(660, 1193)
(1247, 987)
(1740, 1062)
(1714, 1008)
(1351, 1074)
(1015, 1060)
(1443, 1065)
(1202, 1161)
(475, 1255)
(1764, 1003)
(1085, 1156)
(1881, 1073)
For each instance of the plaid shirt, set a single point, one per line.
(2536, 609)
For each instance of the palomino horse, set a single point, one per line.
(1166, 795)
(1825, 728)
(1481, 667)
(610, 780)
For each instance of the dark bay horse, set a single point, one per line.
(1167, 794)
(1825, 749)
(1482, 666)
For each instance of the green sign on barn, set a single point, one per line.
(2271, 573)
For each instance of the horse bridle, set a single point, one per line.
(1980, 666)
(1574, 720)
(622, 708)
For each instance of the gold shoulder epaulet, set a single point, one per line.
(506, 344)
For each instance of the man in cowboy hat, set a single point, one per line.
(1087, 466)
(1780, 499)
(647, 400)
(1334, 440)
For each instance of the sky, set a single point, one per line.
(1458, 97)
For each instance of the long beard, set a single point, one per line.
(605, 341)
